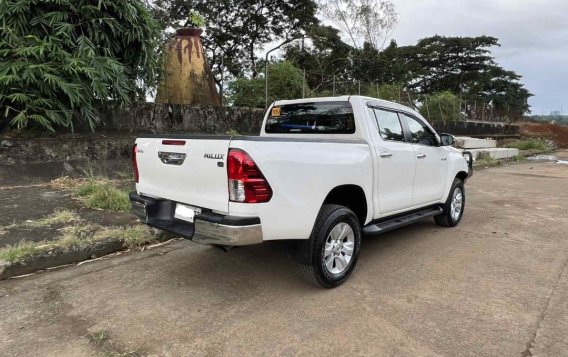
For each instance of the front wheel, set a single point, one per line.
(454, 206)
(335, 244)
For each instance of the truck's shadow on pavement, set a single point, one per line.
(245, 270)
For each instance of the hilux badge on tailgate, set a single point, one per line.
(213, 156)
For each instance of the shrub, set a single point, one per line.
(441, 107)
(529, 144)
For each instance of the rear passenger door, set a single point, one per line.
(396, 162)
(431, 162)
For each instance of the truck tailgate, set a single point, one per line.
(191, 171)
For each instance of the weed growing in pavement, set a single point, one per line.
(81, 235)
(518, 158)
(133, 237)
(77, 235)
(97, 337)
(105, 197)
(102, 340)
(57, 217)
(485, 159)
(96, 193)
(19, 252)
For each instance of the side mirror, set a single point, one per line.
(447, 140)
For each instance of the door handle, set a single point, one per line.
(421, 156)
(444, 158)
(385, 154)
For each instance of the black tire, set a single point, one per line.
(446, 219)
(316, 272)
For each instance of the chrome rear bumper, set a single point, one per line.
(209, 227)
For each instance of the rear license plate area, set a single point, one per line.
(186, 213)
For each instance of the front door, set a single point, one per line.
(431, 163)
(396, 162)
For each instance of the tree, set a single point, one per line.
(327, 57)
(380, 67)
(465, 67)
(58, 58)
(285, 82)
(236, 29)
(369, 20)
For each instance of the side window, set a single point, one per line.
(419, 133)
(389, 125)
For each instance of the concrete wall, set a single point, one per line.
(476, 129)
(163, 118)
(160, 118)
(20, 151)
(117, 129)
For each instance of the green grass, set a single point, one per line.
(103, 195)
(19, 252)
(57, 217)
(77, 235)
(530, 144)
(133, 237)
(80, 235)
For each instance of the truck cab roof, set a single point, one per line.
(352, 99)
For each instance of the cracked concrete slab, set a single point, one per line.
(494, 286)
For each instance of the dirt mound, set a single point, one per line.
(557, 133)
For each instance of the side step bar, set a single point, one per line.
(389, 225)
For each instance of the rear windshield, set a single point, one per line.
(312, 118)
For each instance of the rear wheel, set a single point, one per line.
(454, 206)
(335, 244)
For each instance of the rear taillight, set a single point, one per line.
(246, 182)
(135, 163)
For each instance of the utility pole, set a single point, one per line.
(359, 87)
(304, 85)
(222, 78)
(334, 85)
(378, 93)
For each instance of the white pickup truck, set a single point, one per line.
(323, 173)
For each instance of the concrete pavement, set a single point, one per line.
(496, 285)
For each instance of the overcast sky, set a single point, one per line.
(533, 36)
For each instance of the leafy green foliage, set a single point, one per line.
(465, 66)
(285, 82)
(195, 19)
(444, 106)
(58, 58)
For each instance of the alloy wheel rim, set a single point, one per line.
(339, 248)
(456, 205)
